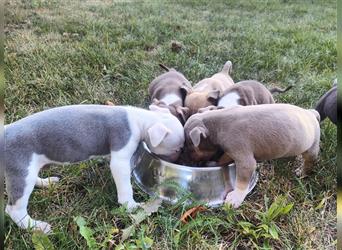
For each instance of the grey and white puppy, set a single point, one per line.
(327, 104)
(76, 133)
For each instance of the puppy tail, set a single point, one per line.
(164, 67)
(227, 68)
(279, 90)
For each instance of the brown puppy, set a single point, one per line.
(249, 133)
(207, 91)
(246, 93)
(168, 89)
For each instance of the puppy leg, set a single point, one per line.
(45, 182)
(244, 169)
(19, 189)
(224, 160)
(120, 167)
(310, 157)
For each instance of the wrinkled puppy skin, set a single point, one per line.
(207, 91)
(170, 88)
(327, 105)
(247, 134)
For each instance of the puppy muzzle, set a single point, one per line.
(171, 158)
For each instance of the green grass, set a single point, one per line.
(68, 52)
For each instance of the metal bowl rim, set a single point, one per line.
(178, 166)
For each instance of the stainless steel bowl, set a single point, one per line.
(171, 181)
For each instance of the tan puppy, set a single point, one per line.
(249, 92)
(249, 133)
(207, 91)
(170, 89)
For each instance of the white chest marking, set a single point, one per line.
(229, 100)
(170, 98)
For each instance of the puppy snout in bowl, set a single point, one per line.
(170, 181)
(170, 158)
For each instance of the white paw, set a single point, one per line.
(42, 226)
(235, 198)
(131, 205)
(45, 182)
(53, 179)
(298, 171)
(301, 173)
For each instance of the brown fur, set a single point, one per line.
(207, 91)
(249, 133)
(251, 92)
(109, 103)
(171, 82)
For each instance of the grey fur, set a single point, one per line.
(327, 105)
(168, 82)
(65, 134)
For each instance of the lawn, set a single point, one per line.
(70, 52)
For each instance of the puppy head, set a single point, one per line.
(166, 137)
(182, 113)
(198, 100)
(197, 140)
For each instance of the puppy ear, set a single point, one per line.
(196, 133)
(213, 96)
(185, 90)
(158, 108)
(157, 133)
(183, 112)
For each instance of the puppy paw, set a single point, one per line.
(235, 198)
(42, 226)
(131, 205)
(301, 173)
(298, 171)
(45, 182)
(53, 179)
